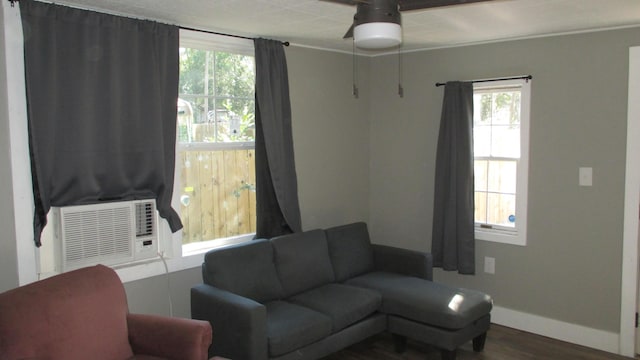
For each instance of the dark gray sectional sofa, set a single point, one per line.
(307, 295)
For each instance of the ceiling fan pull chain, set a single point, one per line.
(400, 88)
(355, 70)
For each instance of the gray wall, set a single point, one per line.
(151, 295)
(331, 137)
(570, 269)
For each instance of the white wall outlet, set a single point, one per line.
(585, 176)
(489, 265)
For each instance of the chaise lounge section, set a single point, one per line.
(307, 295)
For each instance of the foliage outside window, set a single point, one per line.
(216, 134)
(500, 135)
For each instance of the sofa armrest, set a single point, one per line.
(167, 337)
(240, 323)
(403, 261)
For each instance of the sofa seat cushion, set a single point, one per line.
(291, 326)
(344, 304)
(425, 301)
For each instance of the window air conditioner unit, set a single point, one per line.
(113, 233)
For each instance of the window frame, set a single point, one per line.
(518, 234)
(210, 42)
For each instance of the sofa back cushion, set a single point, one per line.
(246, 269)
(302, 260)
(80, 314)
(350, 250)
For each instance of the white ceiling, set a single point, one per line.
(322, 24)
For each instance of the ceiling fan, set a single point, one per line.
(377, 23)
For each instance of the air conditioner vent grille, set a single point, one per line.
(97, 234)
(109, 233)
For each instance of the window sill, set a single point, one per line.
(204, 246)
(192, 257)
(148, 268)
(156, 267)
(502, 238)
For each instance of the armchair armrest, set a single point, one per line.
(240, 323)
(167, 337)
(403, 261)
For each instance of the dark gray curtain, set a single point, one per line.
(101, 96)
(277, 207)
(453, 242)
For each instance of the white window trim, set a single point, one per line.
(517, 236)
(20, 172)
(200, 146)
(194, 252)
(214, 42)
(204, 246)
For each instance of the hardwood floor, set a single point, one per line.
(502, 344)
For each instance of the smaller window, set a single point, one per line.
(501, 148)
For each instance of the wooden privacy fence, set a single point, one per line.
(217, 197)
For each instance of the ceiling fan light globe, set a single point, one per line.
(377, 35)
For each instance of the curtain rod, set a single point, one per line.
(285, 43)
(525, 77)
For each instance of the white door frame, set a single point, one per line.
(629, 289)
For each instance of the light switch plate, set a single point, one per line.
(585, 176)
(489, 265)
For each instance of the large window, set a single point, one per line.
(216, 132)
(500, 135)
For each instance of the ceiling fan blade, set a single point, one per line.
(346, 2)
(406, 5)
(349, 33)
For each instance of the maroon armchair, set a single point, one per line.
(83, 314)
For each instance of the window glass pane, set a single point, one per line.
(480, 175)
(506, 108)
(227, 114)
(205, 132)
(192, 71)
(501, 209)
(482, 108)
(505, 141)
(234, 75)
(482, 141)
(502, 176)
(216, 187)
(217, 194)
(198, 108)
(185, 120)
(196, 119)
(480, 214)
(235, 119)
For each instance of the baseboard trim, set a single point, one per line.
(572, 333)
